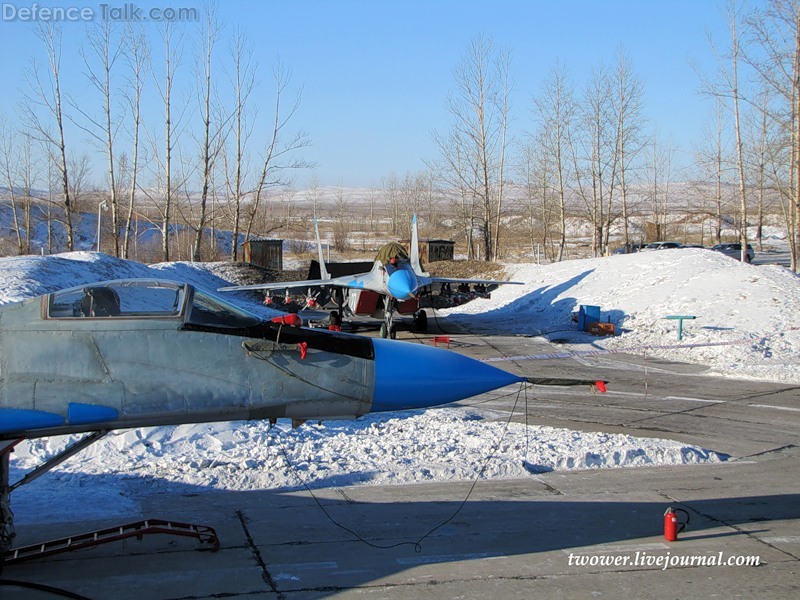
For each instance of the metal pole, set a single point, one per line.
(102, 206)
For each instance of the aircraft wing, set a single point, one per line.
(348, 281)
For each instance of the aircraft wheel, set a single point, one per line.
(393, 332)
(421, 321)
(383, 330)
(335, 318)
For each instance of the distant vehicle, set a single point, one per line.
(661, 246)
(629, 249)
(735, 251)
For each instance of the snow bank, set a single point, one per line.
(754, 311)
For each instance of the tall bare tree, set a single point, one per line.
(774, 31)
(210, 144)
(554, 108)
(280, 156)
(596, 157)
(734, 20)
(171, 59)
(243, 82)
(712, 158)
(44, 96)
(537, 173)
(628, 106)
(106, 51)
(473, 155)
(137, 54)
(9, 175)
(659, 177)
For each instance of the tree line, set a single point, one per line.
(207, 162)
(590, 152)
(588, 155)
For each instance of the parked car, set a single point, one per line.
(735, 251)
(628, 248)
(661, 246)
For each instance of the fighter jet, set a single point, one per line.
(395, 282)
(141, 352)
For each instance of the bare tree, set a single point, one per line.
(171, 59)
(474, 153)
(9, 175)
(537, 172)
(102, 129)
(555, 110)
(391, 195)
(211, 142)
(734, 19)
(713, 160)
(774, 30)
(280, 154)
(44, 94)
(138, 58)
(243, 82)
(659, 177)
(759, 135)
(628, 106)
(596, 157)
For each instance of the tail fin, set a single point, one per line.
(323, 270)
(414, 250)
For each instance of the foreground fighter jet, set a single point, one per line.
(396, 277)
(140, 352)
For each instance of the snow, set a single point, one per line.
(751, 314)
(751, 310)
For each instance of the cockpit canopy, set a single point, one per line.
(146, 299)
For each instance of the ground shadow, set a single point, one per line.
(356, 543)
(536, 313)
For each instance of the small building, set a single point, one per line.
(266, 253)
(433, 250)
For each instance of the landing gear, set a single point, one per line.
(388, 328)
(421, 321)
(391, 332)
(7, 534)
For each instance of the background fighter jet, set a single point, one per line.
(396, 280)
(135, 353)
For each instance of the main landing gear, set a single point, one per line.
(7, 532)
(388, 328)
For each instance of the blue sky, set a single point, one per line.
(375, 74)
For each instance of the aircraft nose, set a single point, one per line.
(402, 285)
(415, 376)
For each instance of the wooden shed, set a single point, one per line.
(266, 253)
(433, 250)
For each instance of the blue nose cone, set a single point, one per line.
(415, 376)
(402, 285)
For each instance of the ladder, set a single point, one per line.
(204, 534)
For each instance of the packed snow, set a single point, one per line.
(747, 321)
(747, 325)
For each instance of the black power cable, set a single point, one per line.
(418, 543)
(40, 587)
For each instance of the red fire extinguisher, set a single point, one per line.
(672, 526)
